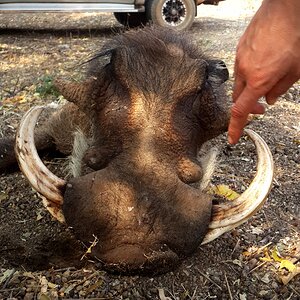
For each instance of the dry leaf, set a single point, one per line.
(52, 285)
(70, 288)
(267, 256)
(44, 285)
(39, 216)
(275, 255)
(161, 294)
(290, 276)
(287, 265)
(266, 278)
(284, 263)
(44, 297)
(6, 275)
(93, 287)
(224, 191)
(237, 262)
(3, 196)
(257, 230)
(15, 99)
(28, 274)
(247, 253)
(243, 296)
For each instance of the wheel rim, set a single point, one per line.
(174, 12)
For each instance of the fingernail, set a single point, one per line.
(230, 140)
(271, 100)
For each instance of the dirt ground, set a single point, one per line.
(40, 259)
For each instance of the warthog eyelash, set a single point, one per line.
(105, 53)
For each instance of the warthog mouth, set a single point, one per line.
(55, 192)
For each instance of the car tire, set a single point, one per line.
(178, 14)
(131, 20)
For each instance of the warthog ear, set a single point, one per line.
(80, 93)
(83, 93)
(217, 72)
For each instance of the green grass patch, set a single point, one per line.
(45, 87)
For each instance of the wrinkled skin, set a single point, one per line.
(146, 112)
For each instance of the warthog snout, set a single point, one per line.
(150, 216)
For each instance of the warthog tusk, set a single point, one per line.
(230, 215)
(38, 175)
(212, 234)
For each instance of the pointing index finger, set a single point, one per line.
(239, 85)
(244, 104)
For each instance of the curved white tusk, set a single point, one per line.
(39, 176)
(237, 212)
(54, 209)
(212, 234)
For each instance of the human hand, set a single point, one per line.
(267, 61)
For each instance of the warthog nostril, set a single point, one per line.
(189, 171)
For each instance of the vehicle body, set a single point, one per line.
(177, 14)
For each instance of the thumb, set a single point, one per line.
(280, 88)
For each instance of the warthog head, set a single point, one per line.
(150, 101)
